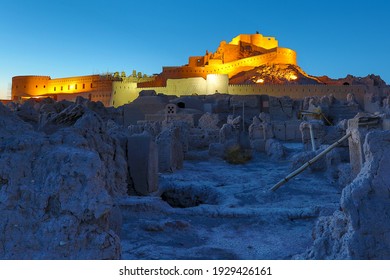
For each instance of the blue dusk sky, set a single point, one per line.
(62, 38)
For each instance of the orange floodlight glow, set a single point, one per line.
(260, 81)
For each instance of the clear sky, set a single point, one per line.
(62, 38)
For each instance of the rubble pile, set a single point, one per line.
(58, 191)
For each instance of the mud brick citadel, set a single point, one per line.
(250, 64)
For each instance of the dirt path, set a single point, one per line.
(224, 211)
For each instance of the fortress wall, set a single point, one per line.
(245, 64)
(286, 56)
(264, 42)
(230, 52)
(70, 97)
(257, 40)
(216, 83)
(187, 86)
(72, 85)
(240, 38)
(282, 55)
(93, 87)
(196, 61)
(101, 91)
(127, 92)
(214, 62)
(185, 72)
(123, 93)
(300, 91)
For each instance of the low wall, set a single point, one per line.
(300, 91)
(126, 92)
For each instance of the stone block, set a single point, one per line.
(216, 150)
(131, 115)
(221, 105)
(183, 128)
(292, 131)
(359, 132)
(279, 129)
(386, 124)
(274, 149)
(258, 145)
(256, 132)
(228, 132)
(170, 150)
(208, 121)
(142, 159)
(250, 101)
(208, 107)
(202, 138)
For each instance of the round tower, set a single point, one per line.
(29, 86)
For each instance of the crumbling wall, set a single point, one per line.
(360, 229)
(205, 133)
(170, 149)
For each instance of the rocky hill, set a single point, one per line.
(369, 80)
(274, 74)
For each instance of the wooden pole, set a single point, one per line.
(313, 143)
(243, 115)
(310, 162)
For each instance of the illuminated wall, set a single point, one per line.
(92, 87)
(300, 91)
(29, 86)
(125, 90)
(116, 93)
(126, 93)
(217, 83)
